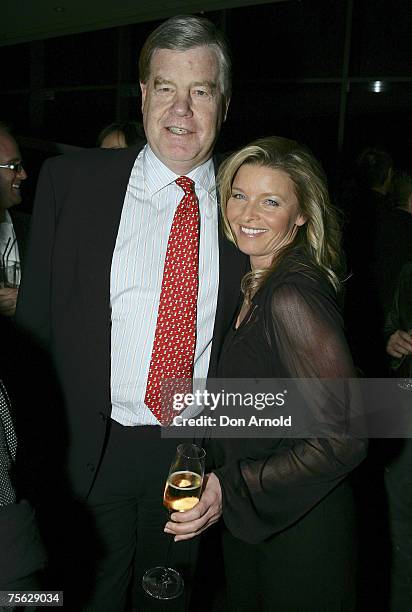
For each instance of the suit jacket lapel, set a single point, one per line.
(100, 223)
(233, 265)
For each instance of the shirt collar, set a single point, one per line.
(157, 175)
(204, 177)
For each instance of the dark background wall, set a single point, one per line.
(305, 69)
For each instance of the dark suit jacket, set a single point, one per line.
(64, 299)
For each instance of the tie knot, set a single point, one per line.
(186, 184)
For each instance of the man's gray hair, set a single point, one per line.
(185, 32)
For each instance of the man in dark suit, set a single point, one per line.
(94, 291)
(13, 226)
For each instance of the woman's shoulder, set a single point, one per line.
(298, 269)
(299, 290)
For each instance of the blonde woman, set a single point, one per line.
(288, 535)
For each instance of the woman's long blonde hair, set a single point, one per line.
(320, 235)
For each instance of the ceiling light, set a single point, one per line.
(377, 86)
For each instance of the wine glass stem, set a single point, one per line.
(169, 550)
(166, 565)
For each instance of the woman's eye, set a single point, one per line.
(238, 196)
(201, 93)
(272, 203)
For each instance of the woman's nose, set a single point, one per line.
(250, 212)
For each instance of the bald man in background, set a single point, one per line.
(13, 226)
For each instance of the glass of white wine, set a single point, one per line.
(182, 492)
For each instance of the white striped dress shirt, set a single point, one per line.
(136, 276)
(8, 243)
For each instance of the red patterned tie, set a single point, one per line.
(175, 337)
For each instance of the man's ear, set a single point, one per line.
(143, 89)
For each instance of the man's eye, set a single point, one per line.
(163, 89)
(201, 93)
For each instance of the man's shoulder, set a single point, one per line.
(218, 159)
(89, 159)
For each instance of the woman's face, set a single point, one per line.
(263, 212)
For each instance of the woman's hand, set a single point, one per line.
(186, 525)
(399, 344)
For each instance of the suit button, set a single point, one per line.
(102, 416)
(90, 467)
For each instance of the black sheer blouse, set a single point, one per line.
(293, 330)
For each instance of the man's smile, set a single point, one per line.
(179, 131)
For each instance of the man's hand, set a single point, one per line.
(186, 525)
(399, 344)
(8, 299)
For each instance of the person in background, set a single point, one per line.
(374, 170)
(289, 537)
(394, 239)
(367, 213)
(13, 225)
(22, 557)
(125, 245)
(121, 135)
(22, 553)
(398, 470)
(398, 329)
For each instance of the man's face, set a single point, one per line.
(10, 180)
(114, 140)
(183, 107)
